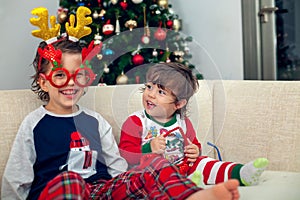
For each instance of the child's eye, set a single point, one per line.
(149, 87)
(162, 92)
(59, 75)
(79, 75)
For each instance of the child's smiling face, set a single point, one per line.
(159, 102)
(62, 100)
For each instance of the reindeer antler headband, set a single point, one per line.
(74, 33)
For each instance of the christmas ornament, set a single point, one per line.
(160, 34)
(122, 79)
(62, 17)
(178, 55)
(171, 11)
(124, 4)
(99, 56)
(99, 3)
(176, 25)
(108, 52)
(146, 37)
(137, 59)
(97, 39)
(163, 3)
(102, 13)
(137, 1)
(106, 69)
(154, 53)
(169, 23)
(117, 31)
(131, 24)
(157, 12)
(95, 14)
(168, 53)
(108, 28)
(114, 2)
(62, 14)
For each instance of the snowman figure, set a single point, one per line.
(81, 159)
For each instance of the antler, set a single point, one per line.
(45, 32)
(81, 29)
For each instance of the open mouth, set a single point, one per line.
(69, 92)
(150, 104)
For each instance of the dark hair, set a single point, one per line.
(66, 46)
(177, 77)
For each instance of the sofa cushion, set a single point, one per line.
(258, 119)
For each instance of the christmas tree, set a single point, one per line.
(135, 35)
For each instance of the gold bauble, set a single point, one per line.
(62, 17)
(122, 79)
(163, 3)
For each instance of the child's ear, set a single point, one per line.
(180, 104)
(42, 82)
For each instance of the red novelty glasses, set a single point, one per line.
(60, 77)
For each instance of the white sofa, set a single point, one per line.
(244, 119)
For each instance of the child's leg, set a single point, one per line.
(163, 180)
(67, 185)
(222, 191)
(215, 171)
(156, 180)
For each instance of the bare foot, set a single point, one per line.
(222, 191)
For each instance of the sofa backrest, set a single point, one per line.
(14, 106)
(258, 118)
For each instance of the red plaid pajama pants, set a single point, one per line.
(155, 178)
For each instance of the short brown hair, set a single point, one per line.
(175, 76)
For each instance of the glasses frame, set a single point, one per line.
(92, 76)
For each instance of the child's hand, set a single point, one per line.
(191, 151)
(158, 144)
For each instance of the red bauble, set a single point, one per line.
(124, 4)
(137, 59)
(160, 34)
(169, 23)
(108, 28)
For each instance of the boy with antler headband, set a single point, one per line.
(65, 151)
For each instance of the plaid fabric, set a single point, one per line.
(155, 178)
(67, 185)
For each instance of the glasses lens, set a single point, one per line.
(84, 77)
(59, 77)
